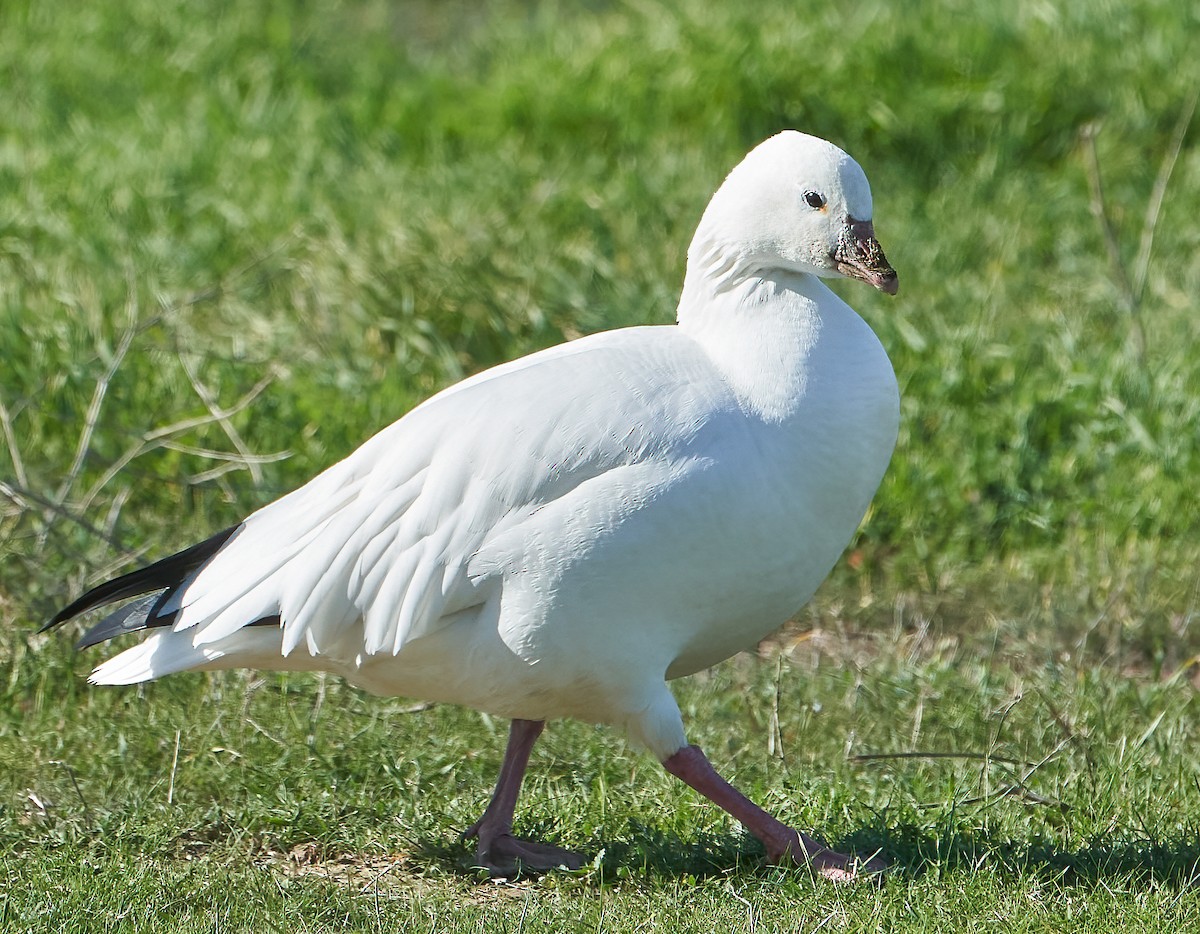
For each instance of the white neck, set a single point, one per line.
(758, 326)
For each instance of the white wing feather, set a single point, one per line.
(385, 538)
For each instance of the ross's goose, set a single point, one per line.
(562, 535)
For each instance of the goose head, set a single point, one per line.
(797, 204)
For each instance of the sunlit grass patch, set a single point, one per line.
(230, 232)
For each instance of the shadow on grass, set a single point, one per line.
(645, 853)
(648, 853)
(913, 851)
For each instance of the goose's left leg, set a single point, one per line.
(499, 851)
(783, 843)
(660, 727)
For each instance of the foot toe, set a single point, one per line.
(506, 854)
(830, 864)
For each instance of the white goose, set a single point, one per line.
(561, 535)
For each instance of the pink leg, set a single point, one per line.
(782, 842)
(499, 851)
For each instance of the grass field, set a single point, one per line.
(237, 238)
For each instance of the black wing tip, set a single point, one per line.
(71, 610)
(163, 575)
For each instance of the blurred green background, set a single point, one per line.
(232, 231)
(363, 202)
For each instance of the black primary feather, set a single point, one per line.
(160, 579)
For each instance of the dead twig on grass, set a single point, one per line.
(1017, 787)
(165, 435)
(25, 500)
(55, 513)
(87, 812)
(1131, 284)
(14, 452)
(980, 756)
(92, 416)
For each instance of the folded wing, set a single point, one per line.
(377, 550)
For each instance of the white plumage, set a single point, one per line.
(560, 535)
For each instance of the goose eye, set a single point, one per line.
(814, 200)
